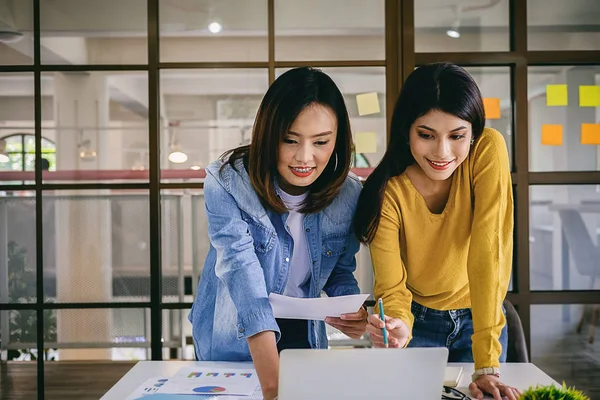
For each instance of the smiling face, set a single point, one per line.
(306, 149)
(439, 143)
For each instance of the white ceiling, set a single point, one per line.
(74, 29)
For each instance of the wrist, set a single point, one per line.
(479, 372)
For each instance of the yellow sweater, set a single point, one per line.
(461, 258)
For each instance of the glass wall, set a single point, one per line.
(129, 101)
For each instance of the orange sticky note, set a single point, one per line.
(556, 95)
(491, 105)
(589, 96)
(552, 135)
(590, 134)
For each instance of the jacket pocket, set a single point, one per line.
(263, 237)
(334, 245)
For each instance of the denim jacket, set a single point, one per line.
(249, 257)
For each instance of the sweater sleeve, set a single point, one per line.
(389, 270)
(490, 251)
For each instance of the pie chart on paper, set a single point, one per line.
(209, 389)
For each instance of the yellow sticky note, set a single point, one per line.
(491, 105)
(552, 135)
(590, 134)
(368, 103)
(556, 95)
(589, 96)
(366, 142)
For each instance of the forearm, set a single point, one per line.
(489, 274)
(263, 349)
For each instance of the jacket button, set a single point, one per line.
(307, 229)
(241, 330)
(329, 252)
(287, 259)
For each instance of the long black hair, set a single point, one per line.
(287, 97)
(441, 86)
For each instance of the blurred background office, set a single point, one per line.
(123, 103)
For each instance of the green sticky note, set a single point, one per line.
(556, 95)
(589, 96)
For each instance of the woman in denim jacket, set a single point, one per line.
(279, 221)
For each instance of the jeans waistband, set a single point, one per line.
(420, 311)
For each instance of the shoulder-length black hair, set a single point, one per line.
(441, 86)
(286, 98)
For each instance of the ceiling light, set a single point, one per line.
(453, 33)
(215, 27)
(196, 167)
(177, 156)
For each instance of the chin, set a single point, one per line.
(439, 176)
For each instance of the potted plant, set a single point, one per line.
(552, 392)
(22, 289)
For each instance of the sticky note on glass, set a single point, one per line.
(556, 95)
(491, 105)
(589, 96)
(365, 142)
(590, 134)
(368, 103)
(552, 135)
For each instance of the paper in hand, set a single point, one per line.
(315, 309)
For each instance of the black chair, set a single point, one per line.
(517, 346)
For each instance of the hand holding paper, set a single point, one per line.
(315, 309)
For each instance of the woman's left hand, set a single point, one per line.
(352, 324)
(491, 384)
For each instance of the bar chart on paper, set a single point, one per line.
(194, 381)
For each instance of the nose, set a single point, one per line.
(442, 149)
(304, 155)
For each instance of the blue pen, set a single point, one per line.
(382, 316)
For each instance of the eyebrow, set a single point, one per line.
(326, 133)
(460, 128)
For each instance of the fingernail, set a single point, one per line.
(327, 319)
(343, 316)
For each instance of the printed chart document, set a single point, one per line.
(315, 309)
(212, 381)
(150, 391)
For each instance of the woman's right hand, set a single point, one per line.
(398, 331)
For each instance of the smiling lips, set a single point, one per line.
(439, 165)
(302, 172)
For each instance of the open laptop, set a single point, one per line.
(412, 373)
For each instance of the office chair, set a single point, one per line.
(517, 346)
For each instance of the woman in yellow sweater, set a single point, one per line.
(438, 215)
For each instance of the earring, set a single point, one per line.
(472, 141)
(336, 162)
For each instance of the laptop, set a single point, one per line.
(412, 373)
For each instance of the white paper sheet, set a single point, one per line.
(212, 381)
(148, 391)
(315, 309)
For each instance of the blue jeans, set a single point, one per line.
(451, 329)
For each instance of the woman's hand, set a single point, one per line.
(398, 331)
(352, 324)
(491, 384)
